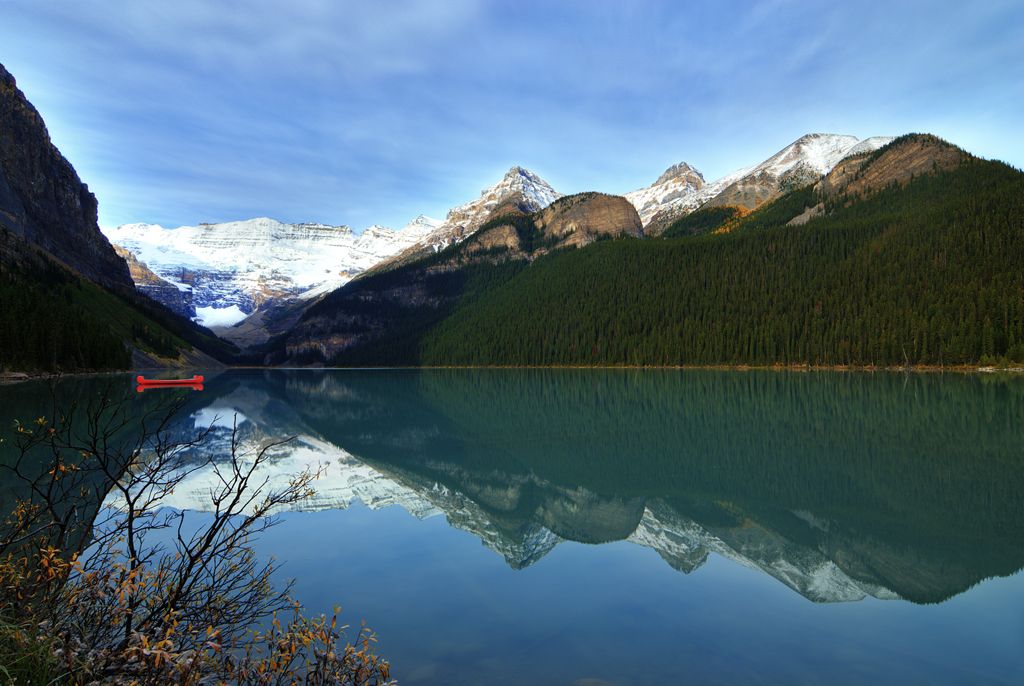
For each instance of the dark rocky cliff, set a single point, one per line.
(43, 201)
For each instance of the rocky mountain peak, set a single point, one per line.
(515, 170)
(519, 190)
(521, 175)
(812, 137)
(422, 225)
(817, 151)
(680, 170)
(680, 189)
(803, 161)
(161, 290)
(536, 192)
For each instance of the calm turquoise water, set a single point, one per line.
(638, 527)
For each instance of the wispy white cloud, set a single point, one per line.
(364, 112)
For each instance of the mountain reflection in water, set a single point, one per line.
(840, 486)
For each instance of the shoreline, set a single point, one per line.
(15, 377)
(918, 369)
(11, 378)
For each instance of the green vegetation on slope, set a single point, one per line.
(392, 311)
(53, 320)
(704, 220)
(44, 326)
(927, 273)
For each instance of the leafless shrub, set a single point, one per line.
(130, 591)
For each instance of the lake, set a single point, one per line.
(594, 527)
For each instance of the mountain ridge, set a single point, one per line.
(803, 161)
(417, 293)
(519, 190)
(777, 290)
(228, 291)
(682, 189)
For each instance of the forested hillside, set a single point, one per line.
(381, 318)
(926, 273)
(910, 255)
(54, 320)
(704, 220)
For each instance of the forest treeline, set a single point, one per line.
(54, 320)
(926, 273)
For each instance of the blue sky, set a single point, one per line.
(374, 111)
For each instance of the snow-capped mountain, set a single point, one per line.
(803, 161)
(237, 268)
(519, 189)
(679, 190)
(815, 152)
(867, 145)
(679, 186)
(682, 189)
(234, 268)
(151, 285)
(519, 186)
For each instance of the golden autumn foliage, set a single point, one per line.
(88, 596)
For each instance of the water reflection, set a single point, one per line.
(840, 486)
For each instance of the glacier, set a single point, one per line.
(234, 268)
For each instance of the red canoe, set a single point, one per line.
(143, 381)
